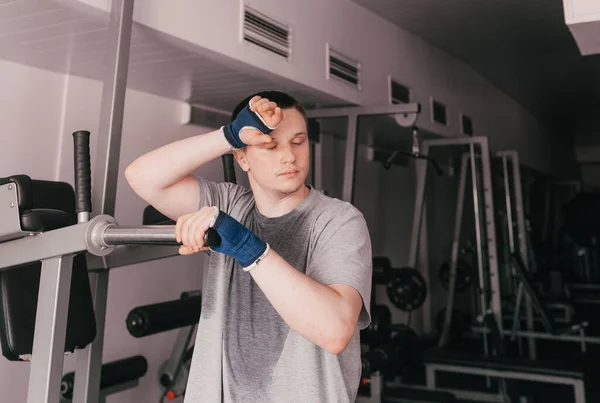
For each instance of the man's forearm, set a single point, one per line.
(167, 165)
(315, 311)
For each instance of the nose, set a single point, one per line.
(287, 155)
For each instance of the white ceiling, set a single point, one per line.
(523, 46)
(52, 36)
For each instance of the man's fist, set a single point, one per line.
(190, 229)
(271, 115)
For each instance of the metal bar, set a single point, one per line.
(462, 184)
(544, 336)
(172, 366)
(350, 158)
(508, 201)
(478, 227)
(421, 167)
(112, 107)
(523, 249)
(579, 391)
(89, 360)
(456, 141)
(50, 330)
(548, 336)
(62, 241)
(390, 109)
(511, 374)
(430, 376)
(519, 207)
(87, 385)
(491, 233)
(149, 234)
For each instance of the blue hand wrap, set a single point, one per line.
(245, 119)
(237, 241)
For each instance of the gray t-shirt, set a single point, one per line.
(244, 351)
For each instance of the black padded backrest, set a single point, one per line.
(19, 288)
(41, 194)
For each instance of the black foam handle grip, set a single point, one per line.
(111, 374)
(83, 175)
(150, 319)
(228, 168)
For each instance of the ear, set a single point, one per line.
(240, 157)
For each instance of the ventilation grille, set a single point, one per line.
(399, 94)
(267, 33)
(343, 68)
(439, 112)
(467, 125)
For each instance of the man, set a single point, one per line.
(287, 290)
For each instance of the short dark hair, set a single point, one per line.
(283, 100)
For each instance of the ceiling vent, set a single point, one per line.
(466, 124)
(399, 94)
(343, 68)
(265, 32)
(439, 112)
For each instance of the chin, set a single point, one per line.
(290, 187)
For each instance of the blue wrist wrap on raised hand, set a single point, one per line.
(237, 241)
(246, 118)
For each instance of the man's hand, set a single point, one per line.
(271, 115)
(190, 230)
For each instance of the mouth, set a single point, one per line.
(288, 174)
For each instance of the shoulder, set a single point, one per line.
(333, 213)
(333, 206)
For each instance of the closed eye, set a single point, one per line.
(269, 146)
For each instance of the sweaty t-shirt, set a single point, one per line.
(244, 351)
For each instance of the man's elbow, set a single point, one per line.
(340, 340)
(136, 179)
(132, 174)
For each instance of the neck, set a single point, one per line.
(276, 204)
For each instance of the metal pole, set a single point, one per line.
(149, 234)
(491, 233)
(350, 158)
(523, 249)
(478, 237)
(89, 360)
(50, 330)
(508, 201)
(421, 173)
(462, 184)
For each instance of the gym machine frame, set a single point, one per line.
(522, 235)
(405, 115)
(419, 220)
(523, 250)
